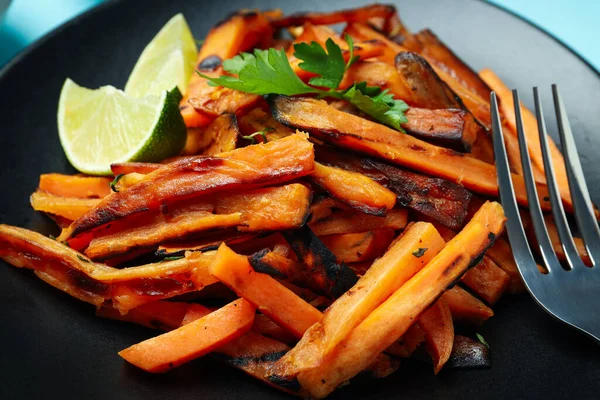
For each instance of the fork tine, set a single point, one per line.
(558, 211)
(514, 226)
(582, 204)
(537, 218)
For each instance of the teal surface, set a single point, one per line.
(575, 22)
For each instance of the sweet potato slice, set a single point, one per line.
(437, 325)
(70, 208)
(465, 307)
(501, 254)
(357, 247)
(211, 242)
(361, 32)
(220, 136)
(247, 168)
(355, 133)
(451, 128)
(362, 14)
(95, 283)
(161, 315)
(356, 190)
(278, 266)
(406, 257)
(258, 120)
(377, 73)
(487, 280)
(240, 32)
(194, 312)
(531, 132)
(83, 187)
(134, 167)
(391, 319)
(265, 326)
(325, 273)
(350, 221)
(171, 349)
(408, 343)
(271, 298)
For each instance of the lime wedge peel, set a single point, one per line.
(167, 61)
(104, 126)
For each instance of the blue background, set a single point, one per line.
(575, 22)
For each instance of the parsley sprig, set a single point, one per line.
(269, 72)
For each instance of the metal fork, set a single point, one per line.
(570, 295)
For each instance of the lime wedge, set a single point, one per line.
(167, 61)
(104, 126)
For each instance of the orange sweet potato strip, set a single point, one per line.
(248, 168)
(271, 297)
(391, 319)
(501, 254)
(83, 187)
(355, 189)
(357, 247)
(414, 250)
(350, 221)
(162, 315)
(240, 32)
(96, 283)
(361, 32)
(465, 307)
(257, 120)
(134, 167)
(220, 136)
(362, 14)
(352, 132)
(70, 208)
(437, 325)
(487, 280)
(408, 343)
(267, 327)
(531, 132)
(171, 349)
(377, 73)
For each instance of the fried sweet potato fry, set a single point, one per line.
(465, 307)
(278, 266)
(408, 343)
(361, 32)
(357, 247)
(350, 221)
(531, 132)
(95, 283)
(362, 14)
(220, 136)
(325, 273)
(83, 187)
(211, 242)
(247, 168)
(355, 133)
(171, 349)
(134, 167)
(321, 208)
(257, 120)
(436, 324)
(386, 275)
(161, 315)
(265, 326)
(501, 254)
(391, 319)
(70, 208)
(487, 280)
(240, 32)
(355, 189)
(271, 297)
(377, 73)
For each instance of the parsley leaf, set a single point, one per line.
(330, 66)
(482, 340)
(420, 252)
(262, 133)
(113, 184)
(264, 72)
(269, 72)
(173, 258)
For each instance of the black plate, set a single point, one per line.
(52, 345)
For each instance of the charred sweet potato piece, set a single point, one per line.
(386, 275)
(355, 133)
(377, 73)
(465, 307)
(220, 135)
(361, 32)
(325, 273)
(501, 254)
(391, 319)
(70, 208)
(162, 315)
(349, 221)
(240, 32)
(278, 266)
(134, 167)
(451, 128)
(355, 189)
(487, 280)
(258, 120)
(83, 187)
(193, 340)
(357, 247)
(362, 14)
(271, 298)
(436, 324)
(211, 242)
(321, 208)
(247, 168)
(94, 283)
